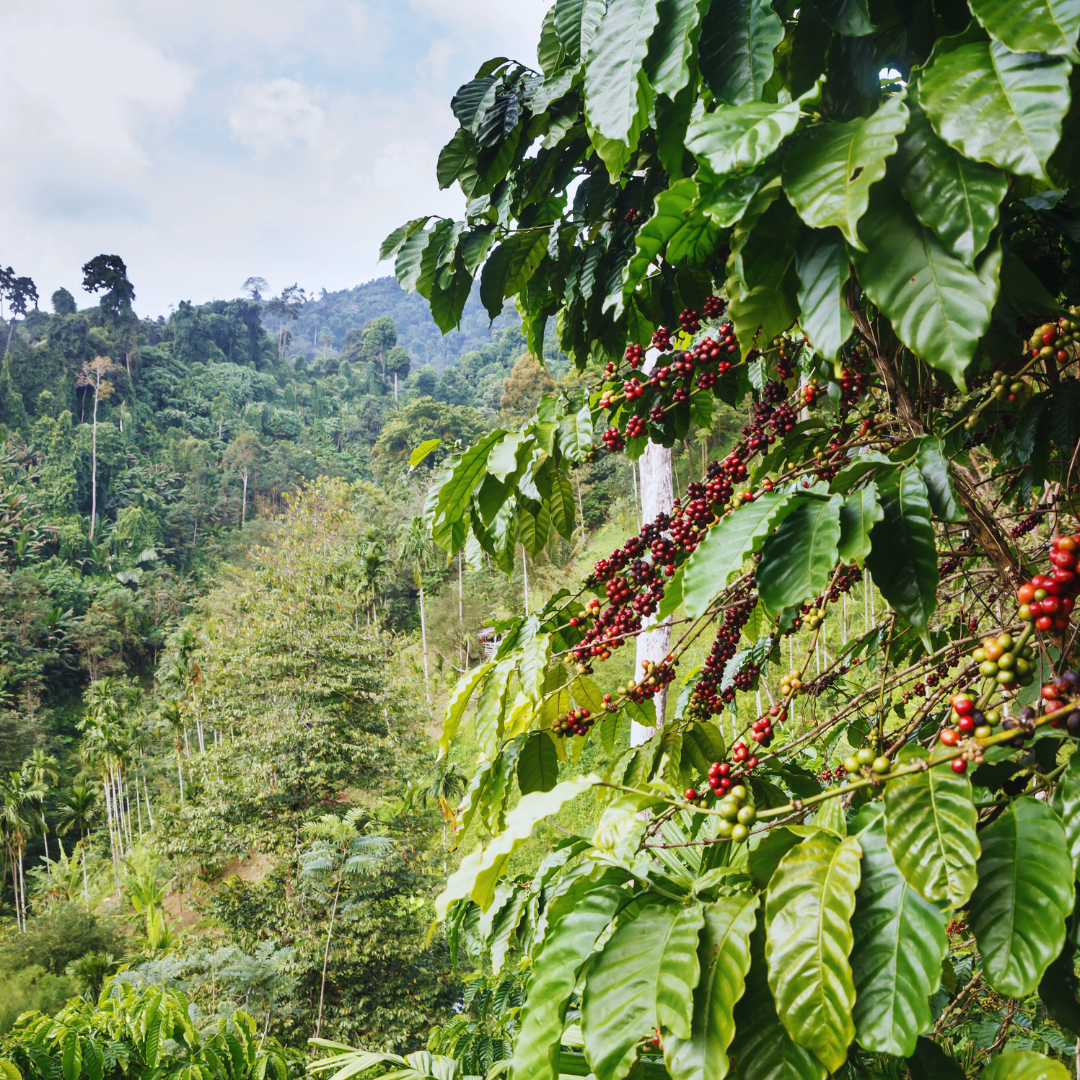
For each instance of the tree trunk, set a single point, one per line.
(22, 889)
(395, 390)
(243, 505)
(93, 469)
(180, 773)
(85, 887)
(326, 953)
(423, 642)
(653, 644)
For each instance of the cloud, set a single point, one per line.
(275, 114)
(205, 142)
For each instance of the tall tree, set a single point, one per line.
(18, 292)
(286, 306)
(107, 274)
(418, 553)
(243, 455)
(93, 375)
(78, 809)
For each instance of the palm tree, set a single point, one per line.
(339, 852)
(372, 571)
(172, 714)
(17, 822)
(43, 767)
(417, 550)
(78, 808)
(445, 788)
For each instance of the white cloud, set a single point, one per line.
(204, 142)
(275, 114)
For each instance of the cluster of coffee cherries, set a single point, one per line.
(1058, 340)
(791, 683)
(762, 731)
(575, 722)
(736, 816)
(999, 659)
(866, 758)
(1061, 689)
(814, 618)
(654, 677)
(1048, 599)
(708, 698)
(1025, 525)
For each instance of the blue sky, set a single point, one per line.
(208, 140)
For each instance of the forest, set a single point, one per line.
(635, 640)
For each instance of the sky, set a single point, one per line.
(206, 141)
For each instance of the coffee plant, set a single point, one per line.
(859, 219)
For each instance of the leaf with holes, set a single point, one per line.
(724, 958)
(823, 269)
(807, 917)
(900, 942)
(798, 559)
(828, 173)
(930, 827)
(725, 547)
(735, 51)
(642, 980)
(938, 306)
(997, 106)
(948, 193)
(1024, 895)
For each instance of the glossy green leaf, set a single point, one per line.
(395, 241)
(933, 464)
(1059, 990)
(510, 266)
(473, 100)
(948, 193)
(930, 827)
(900, 942)
(808, 919)
(575, 23)
(903, 551)
(735, 52)
(823, 269)
(458, 703)
(644, 979)
(798, 559)
(1066, 804)
(613, 101)
(998, 106)
(726, 198)
(725, 547)
(1039, 26)
(667, 219)
(764, 286)
(549, 51)
(858, 516)
(576, 919)
(696, 242)
(483, 866)
(575, 434)
(465, 477)
(829, 171)
(453, 156)
(938, 306)
(1024, 895)
(848, 17)
(668, 62)
(538, 763)
(762, 860)
(763, 1050)
(491, 707)
(738, 138)
(1024, 1065)
(724, 959)
(930, 1062)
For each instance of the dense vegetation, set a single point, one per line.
(793, 415)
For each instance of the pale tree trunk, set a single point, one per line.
(423, 642)
(326, 952)
(22, 889)
(395, 390)
(93, 469)
(180, 773)
(657, 498)
(85, 887)
(243, 505)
